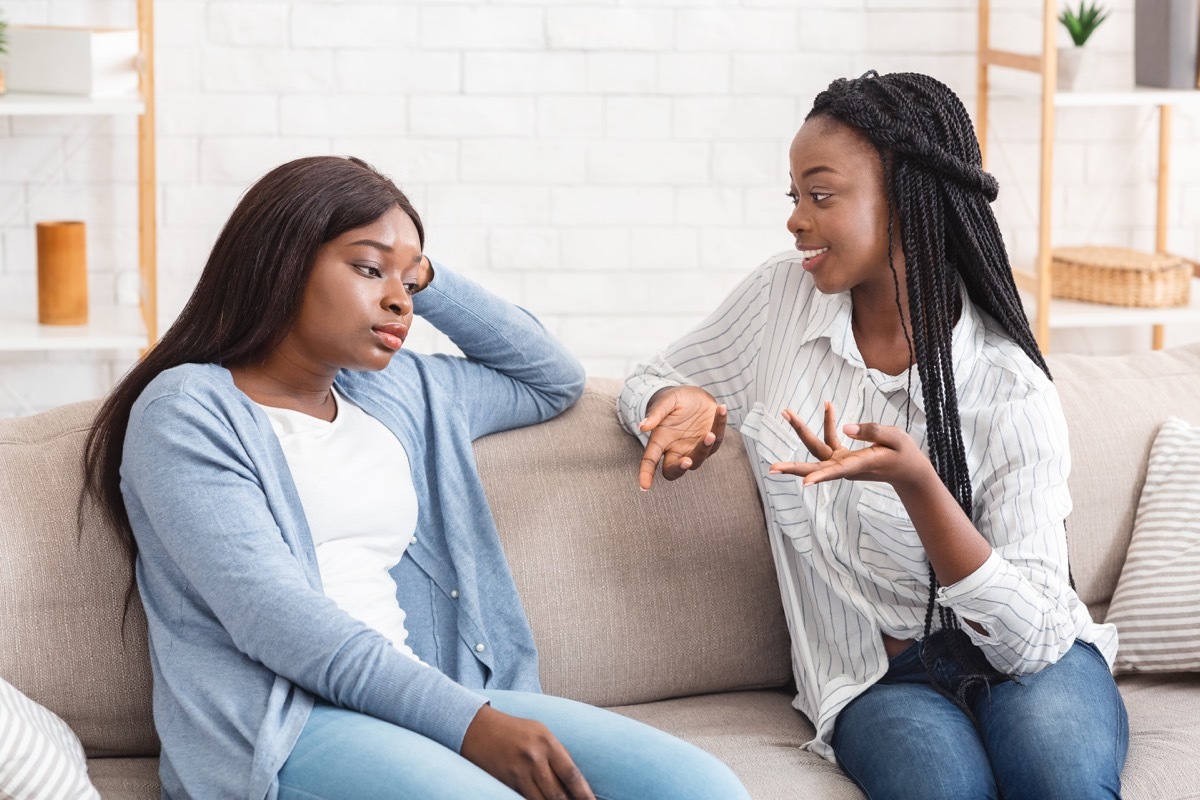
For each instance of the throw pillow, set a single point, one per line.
(40, 757)
(1156, 605)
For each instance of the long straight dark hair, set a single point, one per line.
(936, 187)
(248, 295)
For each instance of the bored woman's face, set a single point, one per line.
(357, 306)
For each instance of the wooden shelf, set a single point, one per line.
(108, 328)
(1129, 96)
(1076, 314)
(27, 104)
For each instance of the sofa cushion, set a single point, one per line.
(40, 757)
(635, 596)
(126, 778)
(1114, 408)
(62, 591)
(1156, 605)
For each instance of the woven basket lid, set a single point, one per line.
(1115, 257)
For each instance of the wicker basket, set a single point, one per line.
(1120, 277)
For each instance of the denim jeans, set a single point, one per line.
(343, 754)
(1059, 734)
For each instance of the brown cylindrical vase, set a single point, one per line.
(62, 273)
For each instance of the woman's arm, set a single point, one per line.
(201, 517)
(515, 373)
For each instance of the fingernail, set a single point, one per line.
(851, 430)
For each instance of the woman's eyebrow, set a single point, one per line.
(814, 170)
(372, 243)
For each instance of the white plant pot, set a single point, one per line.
(1070, 62)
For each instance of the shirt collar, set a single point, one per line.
(830, 317)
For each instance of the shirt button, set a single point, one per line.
(479, 648)
(413, 540)
(454, 593)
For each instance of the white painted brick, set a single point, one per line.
(1102, 124)
(217, 115)
(831, 31)
(523, 161)
(604, 336)
(594, 249)
(524, 73)
(464, 249)
(397, 71)
(569, 116)
(649, 163)
(485, 205)
(609, 28)
(665, 249)
(751, 163)
(525, 249)
(637, 118)
(178, 69)
(353, 25)
(177, 27)
(274, 70)
(734, 29)
(766, 206)
(471, 117)
(622, 73)
(325, 115)
(737, 118)
(102, 159)
(928, 31)
(740, 249)
(694, 73)
(196, 205)
(612, 205)
(240, 23)
(787, 74)
(602, 293)
(1111, 163)
(33, 158)
(476, 28)
(405, 160)
(710, 205)
(242, 161)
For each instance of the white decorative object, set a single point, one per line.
(1069, 61)
(99, 62)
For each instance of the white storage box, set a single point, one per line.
(100, 62)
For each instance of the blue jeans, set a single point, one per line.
(343, 754)
(1059, 734)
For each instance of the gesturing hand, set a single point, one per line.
(688, 426)
(893, 456)
(523, 755)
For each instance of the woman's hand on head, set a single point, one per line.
(892, 457)
(523, 755)
(686, 426)
(425, 276)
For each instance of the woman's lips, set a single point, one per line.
(813, 257)
(392, 335)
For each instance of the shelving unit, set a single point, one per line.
(1046, 312)
(109, 327)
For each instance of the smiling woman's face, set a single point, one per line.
(839, 219)
(357, 306)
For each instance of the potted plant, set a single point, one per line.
(1081, 24)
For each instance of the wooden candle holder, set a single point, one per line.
(62, 273)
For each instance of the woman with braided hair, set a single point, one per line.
(938, 645)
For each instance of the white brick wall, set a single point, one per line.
(614, 165)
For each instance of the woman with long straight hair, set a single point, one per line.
(330, 611)
(912, 459)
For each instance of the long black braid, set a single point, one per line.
(937, 189)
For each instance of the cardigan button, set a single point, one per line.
(454, 593)
(479, 648)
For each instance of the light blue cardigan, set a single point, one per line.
(242, 639)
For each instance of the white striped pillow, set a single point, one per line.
(1156, 605)
(40, 757)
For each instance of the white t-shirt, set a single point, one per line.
(355, 485)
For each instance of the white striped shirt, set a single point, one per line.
(850, 563)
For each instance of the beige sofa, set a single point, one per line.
(663, 605)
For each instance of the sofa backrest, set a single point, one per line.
(62, 591)
(1114, 407)
(635, 596)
